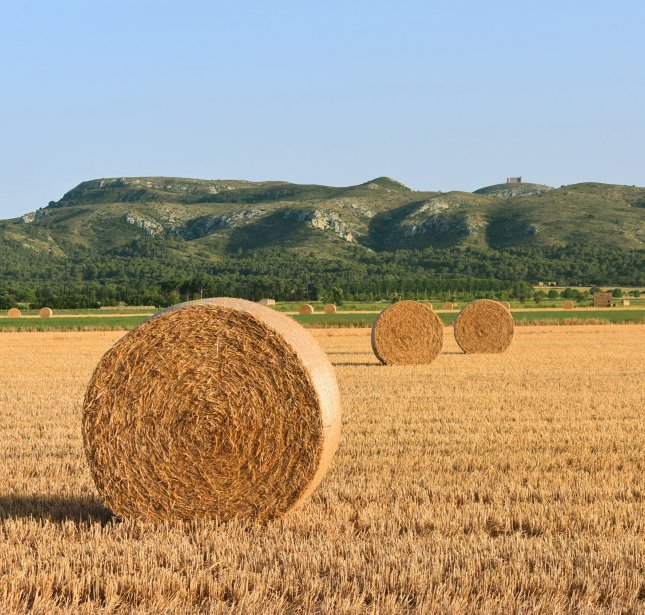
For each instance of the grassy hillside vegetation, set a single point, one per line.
(382, 214)
(144, 239)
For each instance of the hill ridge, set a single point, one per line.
(214, 217)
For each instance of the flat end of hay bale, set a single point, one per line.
(448, 305)
(330, 308)
(218, 408)
(14, 313)
(568, 305)
(46, 312)
(306, 309)
(484, 326)
(407, 333)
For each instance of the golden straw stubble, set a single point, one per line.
(218, 408)
(407, 333)
(484, 326)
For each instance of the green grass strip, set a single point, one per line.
(71, 323)
(120, 323)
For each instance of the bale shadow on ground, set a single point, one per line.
(81, 509)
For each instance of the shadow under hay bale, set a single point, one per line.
(407, 333)
(484, 326)
(218, 408)
(305, 308)
(57, 509)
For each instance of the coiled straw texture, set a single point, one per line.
(407, 333)
(218, 408)
(484, 326)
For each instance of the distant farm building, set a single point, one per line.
(602, 299)
(514, 180)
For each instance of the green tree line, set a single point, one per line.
(149, 272)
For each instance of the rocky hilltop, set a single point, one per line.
(219, 216)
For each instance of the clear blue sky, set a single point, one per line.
(439, 95)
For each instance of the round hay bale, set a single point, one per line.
(218, 408)
(448, 305)
(305, 308)
(506, 304)
(14, 313)
(407, 333)
(330, 308)
(568, 304)
(46, 312)
(484, 326)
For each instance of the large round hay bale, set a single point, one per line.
(46, 312)
(14, 313)
(407, 333)
(330, 308)
(218, 408)
(484, 326)
(506, 304)
(448, 305)
(568, 304)
(305, 308)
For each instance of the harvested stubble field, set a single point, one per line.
(482, 483)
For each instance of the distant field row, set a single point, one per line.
(377, 306)
(111, 311)
(536, 317)
(103, 322)
(347, 306)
